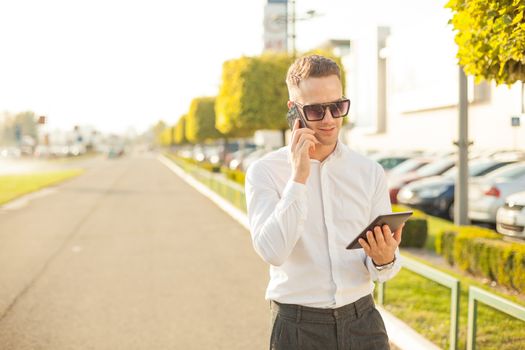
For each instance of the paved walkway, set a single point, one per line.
(128, 256)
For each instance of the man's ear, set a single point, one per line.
(290, 104)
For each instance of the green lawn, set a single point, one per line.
(13, 186)
(425, 306)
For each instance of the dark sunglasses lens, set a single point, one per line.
(340, 108)
(314, 112)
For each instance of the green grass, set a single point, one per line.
(425, 306)
(13, 186)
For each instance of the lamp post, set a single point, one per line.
(291, 19)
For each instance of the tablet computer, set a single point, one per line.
(393, 220)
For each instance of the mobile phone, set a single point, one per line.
(293, 113)
(393, 220)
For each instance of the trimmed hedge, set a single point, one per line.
(482, 252)
(234, 175)
(415, 233)
(204, 165)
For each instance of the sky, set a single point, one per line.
(114, 64)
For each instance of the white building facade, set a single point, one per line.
(403, 80)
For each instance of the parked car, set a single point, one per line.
(238, 157)
(389, 161)
(438, 167)
(487, 194)
(408, 166)
(206, 153)
(435, 195)
(10, 152)
(510, 219)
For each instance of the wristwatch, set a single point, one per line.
(385, 266)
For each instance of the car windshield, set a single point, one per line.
(435, 168)
(510, 172)
(407, 166)
(474, 168)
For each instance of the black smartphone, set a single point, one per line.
(293, 113)
(394, 221)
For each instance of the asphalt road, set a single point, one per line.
(128, 256)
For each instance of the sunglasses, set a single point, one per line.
(317, 111)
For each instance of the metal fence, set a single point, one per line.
(477, 295)
(438, 277)
(217, 182)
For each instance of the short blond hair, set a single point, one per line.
(315, 66)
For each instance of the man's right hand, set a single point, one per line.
(302, 146)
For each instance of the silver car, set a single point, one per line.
(510, 219)
(487, 194)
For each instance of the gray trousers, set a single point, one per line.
(354, 326)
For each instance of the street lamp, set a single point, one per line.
(292, 19)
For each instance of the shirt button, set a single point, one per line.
(336, 313)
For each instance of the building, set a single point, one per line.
(402, 78)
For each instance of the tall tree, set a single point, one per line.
(491, 38)
(158, 129)
(180, 131)
(27, 122)
(200, 120)
(253, 94)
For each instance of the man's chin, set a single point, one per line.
(327, 142)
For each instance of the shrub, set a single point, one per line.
(445, 245)
(234, 175)
(482, 252)
(518, 264)
(415, 233)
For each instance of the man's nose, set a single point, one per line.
(328, 114)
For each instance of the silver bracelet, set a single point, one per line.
(385, 266)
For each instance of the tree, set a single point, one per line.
(180, 131)
(491, 38)
(491, 46)
(253, 94)
(200, 120)
(166, 136)
(24, 122)
(158, 129)
(27, 122)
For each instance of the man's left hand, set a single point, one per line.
(382, 245)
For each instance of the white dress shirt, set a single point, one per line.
(302, 230)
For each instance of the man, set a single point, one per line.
(306, 202)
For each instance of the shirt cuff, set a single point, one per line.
(386, 274)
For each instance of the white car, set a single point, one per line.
(487, 194)
(510, 219)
